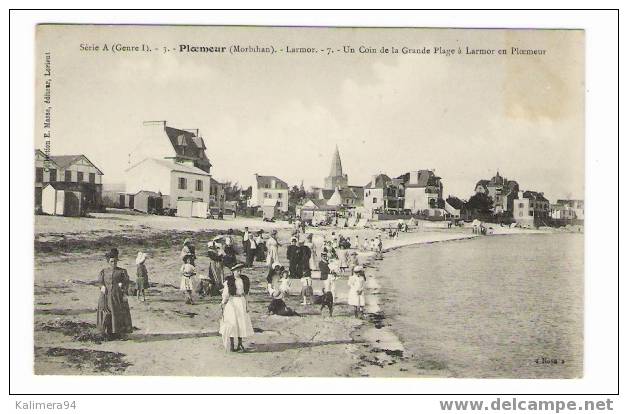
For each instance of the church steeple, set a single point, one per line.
(336, 177)
(336, 164)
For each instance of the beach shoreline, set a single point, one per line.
(313, 345)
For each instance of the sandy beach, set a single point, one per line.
(172, 338)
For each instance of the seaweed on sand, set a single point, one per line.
(79, 331)
(98, 361)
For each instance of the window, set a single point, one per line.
(92, 178)
(199, 185)
(79, 176)
(520, 205)
(39, 175)
(279, 204)
(53, 174)
(374, 200)
(280, 195)
(68, 176)
(183, 184)
(532, 213)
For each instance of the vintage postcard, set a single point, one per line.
(309, 201)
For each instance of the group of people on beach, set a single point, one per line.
(224, 278)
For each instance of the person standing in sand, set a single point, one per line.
(356, 296)
(272, 245)
(236, 322)
(305, 272)
(142, 276)
(292, 254)
(113, 316)
(313, 251)
(187, 283)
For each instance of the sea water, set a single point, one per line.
(497, 306)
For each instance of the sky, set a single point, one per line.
(465, 116)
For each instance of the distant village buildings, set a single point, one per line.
(501, 190)
(66, 184)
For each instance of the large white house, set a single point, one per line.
(172, 179)
(269, 187)
(423, 190)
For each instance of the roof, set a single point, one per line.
(381, 181)
(182, 140)
(263, 180)
(534, 195)
(66, 186)
(358, 191)
(173, 166)
(64, 161)
(336, 165)
(318, 205)
(425, 178)
(149, 193)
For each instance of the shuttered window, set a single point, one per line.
(39, 175)
(92, 178)
(68, 176)
(183, 184)
(53, 175)
(79, 176)
(199, 185)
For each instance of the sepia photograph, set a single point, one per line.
(266, 201)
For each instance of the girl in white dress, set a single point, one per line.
(356, 296)
(236, 322)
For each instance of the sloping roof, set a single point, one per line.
(64, 161)
(326, 193)
(336, 164)
(148, 193)
(318, 205)
(172, 166)
(358, 191)
(181, 140)
(263, 180)
(425, 178)
(534, 195)
(381, 181)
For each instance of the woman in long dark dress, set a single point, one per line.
(113, 316)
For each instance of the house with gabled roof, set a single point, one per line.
(269, 187)
(161, 141)
(77, 173)
(423, 190)
(501, 190)
(384, 194)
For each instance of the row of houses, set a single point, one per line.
(528, 207)
(171, 171)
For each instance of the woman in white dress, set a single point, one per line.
(236, 322)
(357, 285)
(314, 256)
(272, 256)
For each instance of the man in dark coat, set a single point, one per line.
(304, 260)
(293, 253)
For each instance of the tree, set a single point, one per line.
(296, 195)
(480, 203)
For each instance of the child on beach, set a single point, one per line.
(306, 290)
(284, 285)
(329, 293)
(142, 276)
(356, 296)
(187, 272)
